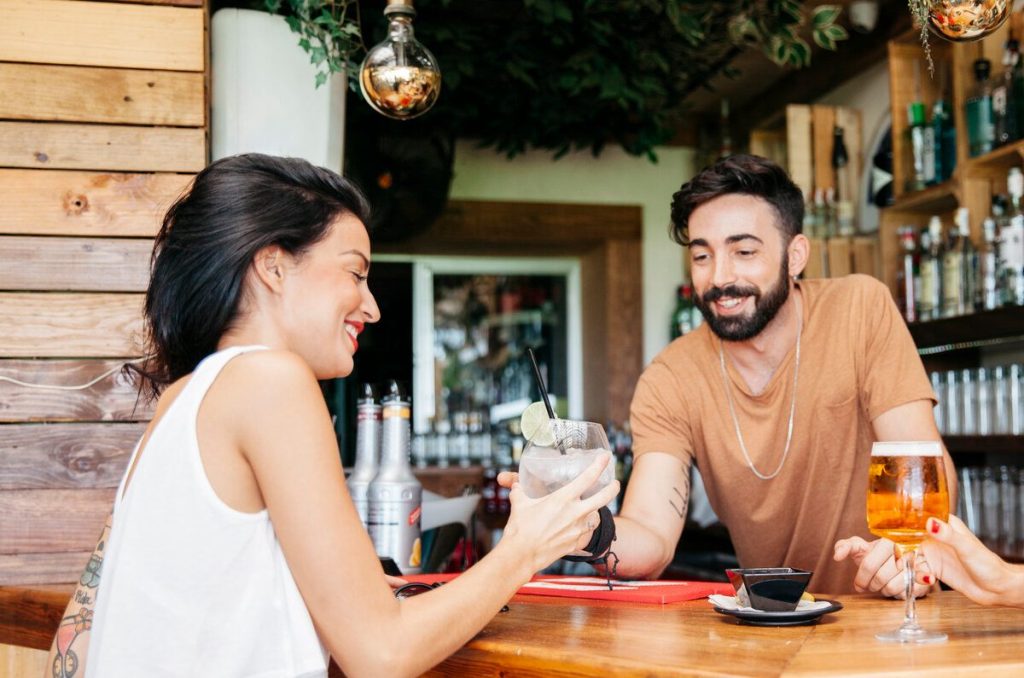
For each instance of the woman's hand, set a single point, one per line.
(879, 567)
(559, 523)
(954, 555)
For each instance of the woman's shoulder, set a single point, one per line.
(268, 376)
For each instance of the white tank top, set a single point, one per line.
(189, 586)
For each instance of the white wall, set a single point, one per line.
(614, 177)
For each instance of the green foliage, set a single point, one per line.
(570, 74)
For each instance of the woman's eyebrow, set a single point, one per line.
(366, 259)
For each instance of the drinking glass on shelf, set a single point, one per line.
(906, 486)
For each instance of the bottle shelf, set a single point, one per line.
(999, 161)
(934, 200)
(981, 326)
(984, 444)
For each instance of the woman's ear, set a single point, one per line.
(268, 265)
(799, 249)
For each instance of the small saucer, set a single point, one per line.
(794, 618)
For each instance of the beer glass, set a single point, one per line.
(906, 486)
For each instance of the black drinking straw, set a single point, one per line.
(540, 384)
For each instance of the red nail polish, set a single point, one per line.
(934, 527)
(927, 579)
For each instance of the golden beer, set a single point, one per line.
(904, 490)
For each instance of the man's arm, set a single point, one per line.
(71, 644)
(652, 516)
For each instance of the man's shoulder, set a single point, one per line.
(689, 349)
(848, 290)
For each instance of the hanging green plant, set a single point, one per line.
(564, 74)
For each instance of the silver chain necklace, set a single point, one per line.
(736, 422)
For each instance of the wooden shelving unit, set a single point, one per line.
(1001, 323)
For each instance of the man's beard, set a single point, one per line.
(766, 307)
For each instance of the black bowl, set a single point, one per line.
(771, 589)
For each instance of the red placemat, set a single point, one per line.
(596, 588)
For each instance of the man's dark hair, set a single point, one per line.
(739, 175)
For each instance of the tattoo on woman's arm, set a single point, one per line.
(66, 663)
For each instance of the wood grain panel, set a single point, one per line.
(44, 145)
(23, 661)
(179, 3)
(29, 569)
(65, 456)
(44, 202)
(104, 95)
(823, 121)
(623, 313)
(53, 521)
(102, 34)
(79, 264)
(800, 145)
(493, 225)
(113, 398)
(70, 325)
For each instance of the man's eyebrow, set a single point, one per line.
(699, 242)
(366, 259)
(742, 236)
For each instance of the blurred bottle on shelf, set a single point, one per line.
(881, 172)
(1005, 101)
(368, 434)
(1011, 243)
(959, 263)
(686, 316)
(845, 195)
(987, 288)
(922, 144)
(980, 123)
(908, 276)
(930, 306)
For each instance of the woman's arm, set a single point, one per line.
(284, 431)
(71, 644)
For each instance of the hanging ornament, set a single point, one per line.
(964, 20)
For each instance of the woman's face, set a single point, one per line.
(326, 300)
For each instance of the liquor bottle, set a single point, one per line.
(1005, 106)
(845, 191)
(682, 316)
(980, 128)
(944, 134)
(395, 495)
(956, 267)
(917, 130)
(988, 271)
(1011, 247)
(368, 426)
(725, 149)
(908, 276)
(931, 270)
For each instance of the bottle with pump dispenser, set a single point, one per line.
(395, 495)
(368, 430)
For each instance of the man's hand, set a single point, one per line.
(879, 567)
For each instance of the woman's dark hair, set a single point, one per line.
(739, 175)
(235, 207)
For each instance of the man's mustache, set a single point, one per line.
(716, 293)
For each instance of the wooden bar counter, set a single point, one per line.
(561, 637)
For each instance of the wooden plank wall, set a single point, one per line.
(103, 122)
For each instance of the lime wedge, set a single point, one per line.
(536, 425)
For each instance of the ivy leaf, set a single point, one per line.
(824, 16)
(837, 33)
(801, 53)
(824, 40)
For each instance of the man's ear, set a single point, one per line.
(268, 265)
(799, 250)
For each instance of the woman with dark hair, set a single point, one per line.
(233, 548)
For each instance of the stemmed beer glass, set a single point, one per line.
(906, 486)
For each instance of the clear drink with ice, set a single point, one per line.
(545, 468)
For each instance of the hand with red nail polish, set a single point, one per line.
(952, 554)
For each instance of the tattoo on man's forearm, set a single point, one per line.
(681, 501)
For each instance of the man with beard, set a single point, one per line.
(777, 397)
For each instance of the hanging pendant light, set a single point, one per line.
(399, 77)
(966, 20)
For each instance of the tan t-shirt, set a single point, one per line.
(857, 361)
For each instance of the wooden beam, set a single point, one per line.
(75, 264)
(828, 69)
(69, 325)
(129, 148)
(102, 34)
(44, 202)
(66, 456)
(111, 399)
(101, 95)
